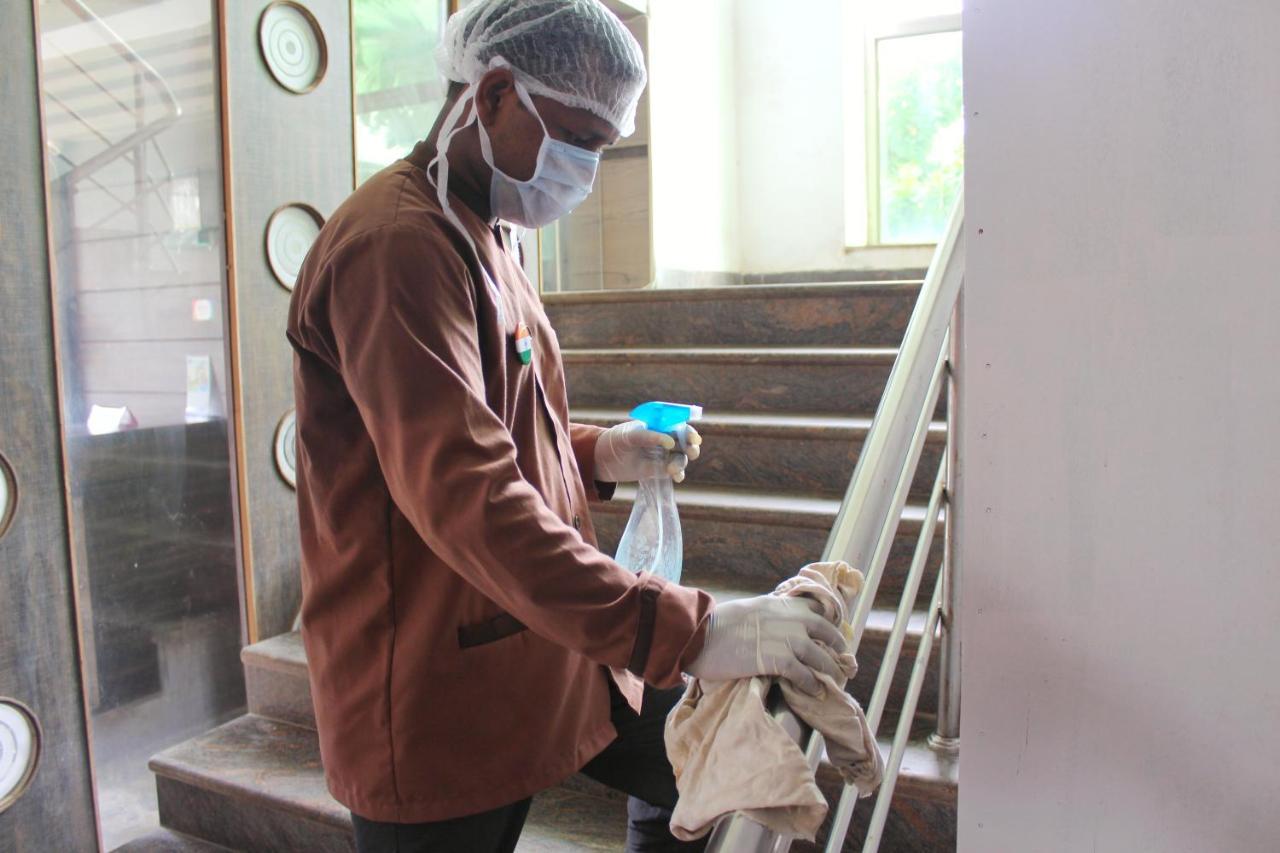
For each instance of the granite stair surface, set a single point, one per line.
(790, 376)
(256, 784)
(867, 314)
(811, 455)
(842, 380)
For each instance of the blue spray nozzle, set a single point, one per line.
(666, 417)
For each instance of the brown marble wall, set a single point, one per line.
(284, 148)
(38, 654)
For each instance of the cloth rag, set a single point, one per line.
(730, 755)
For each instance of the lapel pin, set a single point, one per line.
(524, 343)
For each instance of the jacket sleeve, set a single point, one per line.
(583, 437)
(403, 332)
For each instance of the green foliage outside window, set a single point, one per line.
(398, 90)
(921, 135)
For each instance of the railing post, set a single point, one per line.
(947, 736)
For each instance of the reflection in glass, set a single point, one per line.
(921, 135)
(135, 184)
(398, 89)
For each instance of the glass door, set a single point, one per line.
(133, 140)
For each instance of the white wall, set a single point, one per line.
(749, 127)
(790, 81)
(693, 138)
(1121, 481)
(796, 111)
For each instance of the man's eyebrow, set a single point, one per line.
(584, 132)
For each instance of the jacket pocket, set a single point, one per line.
(490, 631)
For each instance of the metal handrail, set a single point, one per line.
(867, 522)
(885, 796)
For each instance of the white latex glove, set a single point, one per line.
(769, 635)
(624, 453)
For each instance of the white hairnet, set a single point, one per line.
(575, 52)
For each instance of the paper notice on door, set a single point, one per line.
(199, 388)
(104, 420)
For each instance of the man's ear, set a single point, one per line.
(497, 85)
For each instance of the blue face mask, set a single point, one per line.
(562, 178)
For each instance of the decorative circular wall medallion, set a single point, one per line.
(286, 449)
(293, 46)
(8, 495)
(290, 232)
(19, 750)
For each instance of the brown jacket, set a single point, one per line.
(442, 509)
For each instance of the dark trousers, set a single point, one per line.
(635, 763)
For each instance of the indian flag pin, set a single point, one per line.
(524, 344)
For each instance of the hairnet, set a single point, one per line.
(575, 52)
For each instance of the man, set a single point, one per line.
(468, 644)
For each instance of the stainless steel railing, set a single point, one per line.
(862, 535)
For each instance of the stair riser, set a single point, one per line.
(871, 655)
(914, 823)
(814, 467)
(754, 555)
(242, 824)
(874, 318)
(814, 462)
(769, 386)
(279, 694)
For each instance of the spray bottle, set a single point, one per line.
(651, 541)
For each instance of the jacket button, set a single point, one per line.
(577, 522)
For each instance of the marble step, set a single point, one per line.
(812, 380)
(756, 540)
(257, 785)
(834, 314)
(805, 454)
(278, 688)
(168, 841)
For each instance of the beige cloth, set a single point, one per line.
(730, 755)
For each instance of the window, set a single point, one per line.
(398, 90)
(913, 123)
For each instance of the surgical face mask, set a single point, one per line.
(561, 180)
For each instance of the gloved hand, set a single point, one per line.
(623, 453)
(770, 635)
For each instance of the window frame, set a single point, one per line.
(873, 33)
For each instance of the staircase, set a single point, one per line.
(790, 376)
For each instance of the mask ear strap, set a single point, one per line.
(523, 94)
(454, 124)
